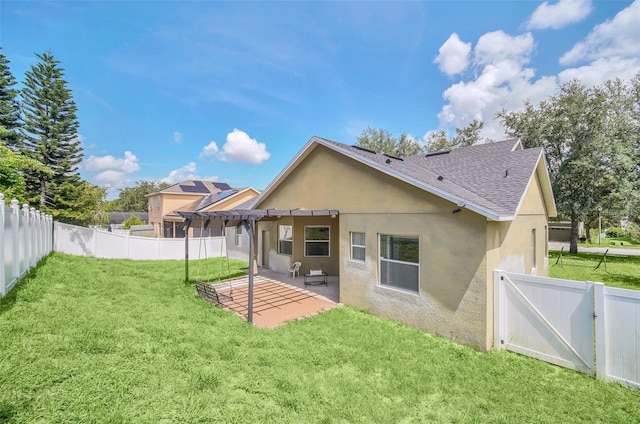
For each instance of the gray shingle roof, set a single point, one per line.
(491, 177)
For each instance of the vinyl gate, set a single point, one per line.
(583, 326)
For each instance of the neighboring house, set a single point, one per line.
(561, 230)
(120, 217)
(414, 239)
(192, 196)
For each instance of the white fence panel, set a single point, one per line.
(104, 244)
(566, 322)
(74, 240)
(549, 319)
(622, 335)
(25, 238)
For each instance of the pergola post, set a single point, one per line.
(187, 223)
(250, 226)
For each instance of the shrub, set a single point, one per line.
(615, 232)
(132, 220)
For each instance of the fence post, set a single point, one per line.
(32, 237)
(497, 311)
(3, 284)
(599, 331)
(15, 228)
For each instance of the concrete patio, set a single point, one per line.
(277, 298)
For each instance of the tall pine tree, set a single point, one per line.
(9, 106)
(50, 133)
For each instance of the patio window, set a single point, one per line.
(357, 247)
(316, 241)
(238, 236)
(399, 262)
(285, 240)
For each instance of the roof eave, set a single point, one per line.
(308, 147)
(481, 210)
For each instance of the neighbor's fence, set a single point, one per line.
(99, 243)
(25, 238)
(584, 326)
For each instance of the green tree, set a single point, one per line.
(50, 135)
(582, 132)
(382, 141)
(9, 106)
(467, 136)
(133, 199)
(80, 203)
(132, 220)
(13, 165)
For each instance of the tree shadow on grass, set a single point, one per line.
(22, 289)
(632, 282)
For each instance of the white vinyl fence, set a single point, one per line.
(584, 326)
(99, 243)
(25, 238)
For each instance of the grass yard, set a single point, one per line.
(620, 271)
(619, 243)
(87, 340)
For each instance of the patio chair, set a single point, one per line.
(295, 267)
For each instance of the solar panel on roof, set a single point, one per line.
(441, 152)
(197, 187)
(392, 157)
(222, 186)
(364, 149)
(214, 198)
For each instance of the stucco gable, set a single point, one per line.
(490, 179)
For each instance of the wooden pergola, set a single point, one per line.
(247, 218)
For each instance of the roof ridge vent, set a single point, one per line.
(364, 149)
(391, 156)
(440, 152)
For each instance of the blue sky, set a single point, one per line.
(231, 91)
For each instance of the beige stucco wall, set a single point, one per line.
(453, 267)
(509, 244)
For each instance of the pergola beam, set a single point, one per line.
(248, 219)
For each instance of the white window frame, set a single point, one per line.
(286, 240)
(359, 246)
(381, 260)
(328, 241)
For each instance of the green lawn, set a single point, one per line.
(618, 243)
(112, 341)
(620, 271)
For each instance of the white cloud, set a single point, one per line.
(503, 82)
(504, 79)
(177, 137)
(111, 171)
(617, 38)
(128, 164)
(112, 177)
(453, 55)
(500, 47)
(210, 149)
(239, 147)
(560, 14)
(187, 172)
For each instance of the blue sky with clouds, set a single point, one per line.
(230, 91)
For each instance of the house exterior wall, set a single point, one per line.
(453, 265)
(170, 202)
(509, 246)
